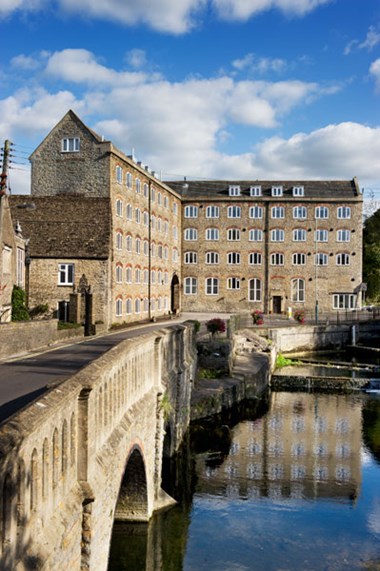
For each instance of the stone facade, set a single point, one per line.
(128, 246)
(271, 246)
(12, 258)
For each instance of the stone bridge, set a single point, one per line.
(91, 450)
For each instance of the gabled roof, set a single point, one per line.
(318, 189)
(64, 226)
(73, 117)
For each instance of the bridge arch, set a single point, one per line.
(132, 502)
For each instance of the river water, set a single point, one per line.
(288, 483)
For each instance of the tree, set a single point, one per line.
(371, 256)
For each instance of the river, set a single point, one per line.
(287, 483)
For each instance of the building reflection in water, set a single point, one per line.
(307, 447)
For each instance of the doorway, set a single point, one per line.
(277, 300)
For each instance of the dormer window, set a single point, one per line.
(276, 190)
(255, 191)
(234, 190)
(71, 145)
(298, 191)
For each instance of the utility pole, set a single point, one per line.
(4, 172)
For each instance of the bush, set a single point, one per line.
(19, 310)
(215, 326)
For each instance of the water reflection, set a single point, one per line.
(287, 484)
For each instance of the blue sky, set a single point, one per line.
(200, 88)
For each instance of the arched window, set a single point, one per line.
(212, 286)
(190, 286)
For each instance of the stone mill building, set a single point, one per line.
(149, 248)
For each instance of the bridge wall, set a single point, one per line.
(64, 458)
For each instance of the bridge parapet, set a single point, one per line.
(64, 458)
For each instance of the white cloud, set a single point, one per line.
(371, 40)
(168, 16)
(374, 70)
(253, 63)
(174, 16)
(81, 66)
(244, 9)
(336, 151)
(136, 58)
(25, 62)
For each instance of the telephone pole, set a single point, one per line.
(4, 172)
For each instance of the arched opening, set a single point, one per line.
(174, 291)
(132, 503)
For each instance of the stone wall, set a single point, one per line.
(20, 337)
(65, 457)
(43, 274)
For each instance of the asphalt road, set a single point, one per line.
(22, 380)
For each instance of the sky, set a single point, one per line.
(202, 89)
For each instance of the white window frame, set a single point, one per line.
(298, 290)
(129, 180)
(299, 213)
(191, 234)
(70, 145)
(119, 174)
(191, 211)
(212, 234)
(234, 190)
(233, 283)
(212, 211)
(321, 235)
(190, 258)
(119, 274)
(255, 191)
(321, 259)
(212, 286)
(344, 301)
(321, 213)
(343, 259)
(119, 241)
(255, 235)
(298, 191)
(277, 212)
(66, 274)
(277, 259)
(343, 235)
(233, 258)
(234, 211)
(277, 235)
(254, 289)
(299, 256)
(233, 234)
(190, 286)
(277, 191)
(119, 307)
(256, 212)
(212, 258)
(299, 235)
(344, 212)
(255, 259)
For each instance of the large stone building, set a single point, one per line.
(102, 215)
(271, 246)
(240, 246)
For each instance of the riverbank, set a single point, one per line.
(242, 366)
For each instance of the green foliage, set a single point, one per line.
(299, 315)
(215, 325)
(282, 361)
(40, 309)
(68, 325)
(166, 406)
(196, 325)
(371, 256)
(19, 310)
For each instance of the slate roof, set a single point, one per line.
(64, 226)
(319, 189)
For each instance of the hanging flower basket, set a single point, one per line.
(299, 315)
(257, 317)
